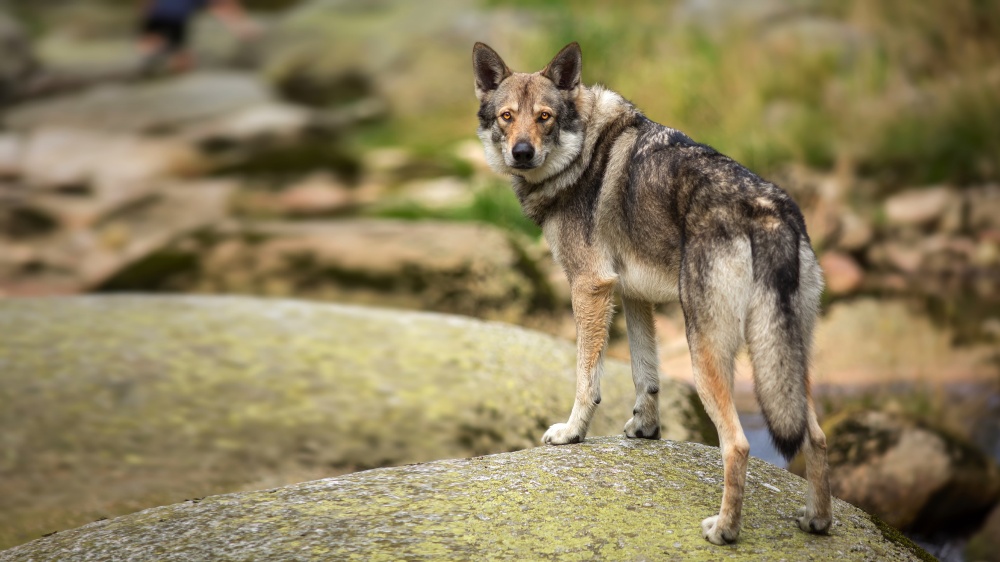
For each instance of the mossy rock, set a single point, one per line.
(110, 404)
(608, 498)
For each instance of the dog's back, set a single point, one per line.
(689, 213)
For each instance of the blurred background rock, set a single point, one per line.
(332, 157)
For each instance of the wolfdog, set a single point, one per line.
(625, 202)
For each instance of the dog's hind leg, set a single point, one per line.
(645, 420)
(716, 284)
(816, 516)
(713, 374)
(592, 310)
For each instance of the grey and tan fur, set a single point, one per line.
(630, 204)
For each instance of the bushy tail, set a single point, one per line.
(787, 284)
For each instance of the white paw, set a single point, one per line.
(642, 430)
(713, 534)
(561, 434)
(811, 523)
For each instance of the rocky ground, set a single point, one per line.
(247, 177)
(609, 498)
(110, 404)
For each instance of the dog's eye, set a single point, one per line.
(544, 116)
(505, 116)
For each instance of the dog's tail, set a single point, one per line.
(787, 285)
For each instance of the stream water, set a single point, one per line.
(760, 440)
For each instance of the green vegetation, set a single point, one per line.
(494, 203)
(901, 91)
(957, 141)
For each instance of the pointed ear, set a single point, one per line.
(489, 68)
(565, 68)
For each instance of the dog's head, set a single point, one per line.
(529, 122)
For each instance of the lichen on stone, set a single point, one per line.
(608, 498)
(111, 404)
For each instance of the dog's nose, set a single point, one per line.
(523, 153)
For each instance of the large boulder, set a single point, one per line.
(454, 267)
(107, 165)
(867, 341)
(155, 106)
(66, 244)
(86, 175)
(234, 116)
(94, 39)
(113, 404)
(920, 207)
(605, 499)
(84, 40)
(842, 272)
(913, 475)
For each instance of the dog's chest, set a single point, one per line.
(643, 281)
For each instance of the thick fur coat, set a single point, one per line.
(631, 205)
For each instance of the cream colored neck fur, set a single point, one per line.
(598, 106)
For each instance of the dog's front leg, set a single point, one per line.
(592, 310)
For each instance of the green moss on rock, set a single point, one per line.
(893, 534)
(609, 499)
(112, 404)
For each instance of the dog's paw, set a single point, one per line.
(812, 523)
(562, 434)
(642, 429)
(714, 534)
